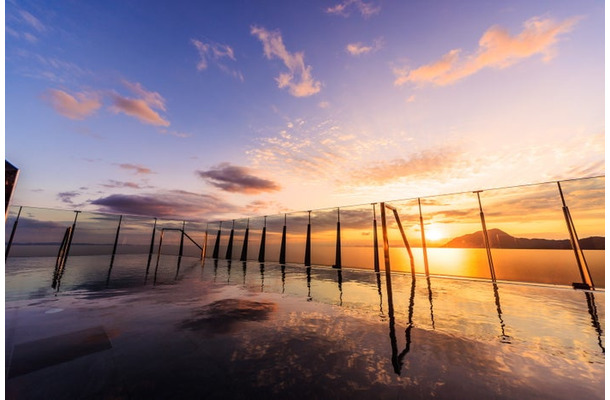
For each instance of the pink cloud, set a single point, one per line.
(79, 106)
(497, 49)
(139, 109)
(137, 168)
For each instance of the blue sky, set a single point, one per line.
(208, 110)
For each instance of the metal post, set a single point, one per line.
(308, 241)
(180, 252)
(583, 268)
(490, 261)
(423, 238)
(70, 240)
(244, 249)
(404, 240)
(217, 244)
(283, 244)
(375, 241)
(261, 251)
(204, 248)
(386, 257)
(60, 260)
(229, 254)
(152, 246)
(116, 242)
(338, 243)
(158, 256)
(10, 240)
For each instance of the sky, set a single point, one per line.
(209, 110)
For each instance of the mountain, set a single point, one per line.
(501, 240)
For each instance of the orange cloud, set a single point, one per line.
(298, 80)
(497, 49)
(418, 166)
(79, 106)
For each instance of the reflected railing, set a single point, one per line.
(548, 233)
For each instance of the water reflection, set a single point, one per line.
(308, 271)
(244, 271)
(378, 275)
(504, 338)
(262, 267)
(595, 319)
(283, 271)
(340, 284)
(397, 358)
(430, 300)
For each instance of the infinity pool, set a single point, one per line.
(249, 330)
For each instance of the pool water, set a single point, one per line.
(248, 330)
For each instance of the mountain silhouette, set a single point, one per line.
(501, 240)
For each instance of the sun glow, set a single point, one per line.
(434, 233)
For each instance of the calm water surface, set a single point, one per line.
(250, 330)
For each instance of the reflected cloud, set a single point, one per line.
(224, 316)
(497, 49)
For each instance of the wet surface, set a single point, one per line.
(251, 331)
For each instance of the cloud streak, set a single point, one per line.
(237, 179)
(344, 8)
(497, 49)
(142, 107)
(216, 53)
(171, 204)
(78, 107)
(298, 80)
(357, 49)
(137, 168)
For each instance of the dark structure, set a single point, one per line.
(11, 173)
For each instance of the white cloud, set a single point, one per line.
(359, 48)
(344, 8)
(298, 79)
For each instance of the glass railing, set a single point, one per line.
(548, 233)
